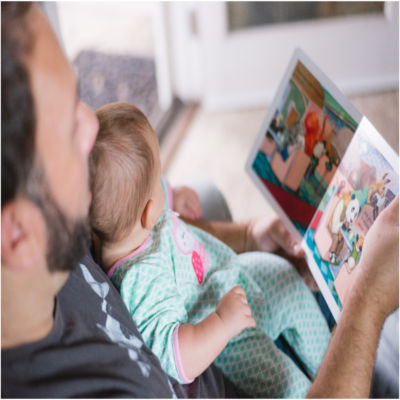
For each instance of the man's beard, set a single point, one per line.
(68, 240)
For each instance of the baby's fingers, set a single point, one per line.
(247, 319)
(188, 212)
(247, 310)
(250, 322)
(193, 204)
(238, 290)
(191, 210)
(240, 293)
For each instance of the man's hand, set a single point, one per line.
(378, 271)
(347, 368)
(269, 235)
(186, 202)
(235, 312)
(272, 236)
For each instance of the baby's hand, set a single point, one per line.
(234, 312)
(186, 202)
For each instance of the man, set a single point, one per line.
(65, 331)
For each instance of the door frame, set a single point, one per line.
(202, 52)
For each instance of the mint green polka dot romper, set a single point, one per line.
(179, 275)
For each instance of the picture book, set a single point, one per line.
(326, 171)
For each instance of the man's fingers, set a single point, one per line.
(392, 211)
(297, 250)
(311, 284)
(286, 241)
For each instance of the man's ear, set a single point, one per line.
(147, 219)
(23, 235)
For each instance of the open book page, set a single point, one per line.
(364, 183)
(301, 143)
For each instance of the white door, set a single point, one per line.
(224, 64)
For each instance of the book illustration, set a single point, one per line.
(364, 184)
(326, 171)
(303, 146)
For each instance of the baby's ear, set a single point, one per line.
(147, 219)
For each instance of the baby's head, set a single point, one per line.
(125, 174)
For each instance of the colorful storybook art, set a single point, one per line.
(316, 159)
(363, 185)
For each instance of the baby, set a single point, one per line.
(194, 300)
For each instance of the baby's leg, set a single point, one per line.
(259, 368)
(286, 306)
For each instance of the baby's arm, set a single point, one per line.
(200, 344)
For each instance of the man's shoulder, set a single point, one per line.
(93, 348)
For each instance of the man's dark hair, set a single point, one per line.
(21, 172)
(17, 107)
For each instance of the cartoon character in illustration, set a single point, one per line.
(345, 213)
(377, 195)
(354, 257)
(349, 208)
(313, 140)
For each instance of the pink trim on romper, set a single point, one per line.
(170, 195)
(134, 253)
(178, 359)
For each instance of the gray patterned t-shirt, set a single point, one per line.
(94, 350)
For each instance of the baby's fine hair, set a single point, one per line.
(122, 170)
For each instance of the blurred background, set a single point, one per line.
(205, 72)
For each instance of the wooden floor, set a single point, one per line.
(217, 144)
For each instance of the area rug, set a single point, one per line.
(105, 78)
